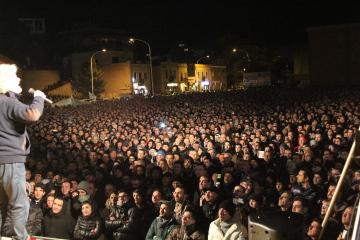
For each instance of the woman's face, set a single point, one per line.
(86, 210)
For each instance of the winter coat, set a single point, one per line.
(87, 228)
(181, 234)
(126, 223)
(35, 219)
(33, 224)
(158, 231)
(60, 225)
(236, 231)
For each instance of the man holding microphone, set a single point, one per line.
(14, 147)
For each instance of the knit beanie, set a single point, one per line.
(229, 206)
(84, 185)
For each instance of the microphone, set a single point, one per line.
(31, 91)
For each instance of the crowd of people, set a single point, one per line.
(192, 166)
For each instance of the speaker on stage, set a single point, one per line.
(276, 226)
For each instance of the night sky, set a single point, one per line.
(197, 23)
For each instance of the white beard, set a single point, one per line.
(9, 81)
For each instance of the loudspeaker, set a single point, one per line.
(276, 226)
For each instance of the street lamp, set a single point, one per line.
(131, 41)
(234, 50)
(197, 61)
(91, 69)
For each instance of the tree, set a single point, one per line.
(82, 82)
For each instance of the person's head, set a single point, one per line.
(179, 194)
(331, 190)
(211, 195)
(66, 188)
(138, 197)
(86, 209)
(123, 198)
(324, 206)
(166, 210)
(302, 176)
(83, 188)
(314, 229)
(226, 210)
(188, 218)
(317, 179)
(156, 196)
(109, 189)
(255, 200)
(57, 205)
(50, 200)
(285, 200)
(299, 205)
(9, 81)
(346, 217)
(39, 191)
(203, 182)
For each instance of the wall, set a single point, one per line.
(39, 79)
(64, 90)
(117, 78)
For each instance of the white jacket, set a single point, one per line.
(237, 231)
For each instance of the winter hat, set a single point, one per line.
(84, 185)
(229, 206)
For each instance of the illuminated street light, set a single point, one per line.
(234, 50)
(132, 41)
(207, 56)
(91, 69)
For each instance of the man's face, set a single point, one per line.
(65, 188)
(300, 178)
(187, 219)
(39, 193)
(57, 205)
(331, 191)
(156, 197)
(203, 182)
(346, 216)
(284, 200)
(179, 195)
(297, 207)
(314, 229)
(324, 207)
(122, 198)
(165, 211)
(210, 196)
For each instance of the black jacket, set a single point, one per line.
(87, 228)
(59, 225)
(126, 223)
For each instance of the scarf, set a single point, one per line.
(224, 226)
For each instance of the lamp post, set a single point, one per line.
(91, 69)
(131, 41)
(197, 61)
